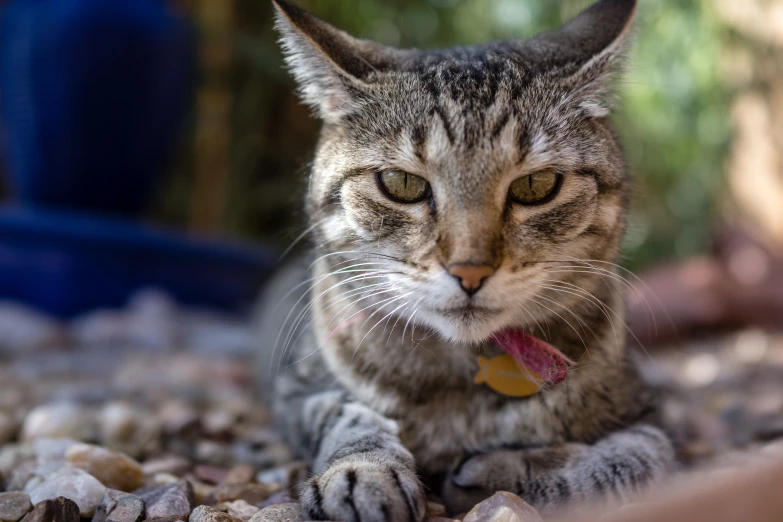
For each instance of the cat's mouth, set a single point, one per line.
(468, 311)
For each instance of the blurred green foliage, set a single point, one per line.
(672, 115)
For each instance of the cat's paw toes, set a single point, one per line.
(364, 491)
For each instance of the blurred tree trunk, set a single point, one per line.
(753, 67)
(214, 106)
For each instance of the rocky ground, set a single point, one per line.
(149, 413)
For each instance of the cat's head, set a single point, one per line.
(467, 174)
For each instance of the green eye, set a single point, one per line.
(402, 187)
(537, 188)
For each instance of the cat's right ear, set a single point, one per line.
(330, 66)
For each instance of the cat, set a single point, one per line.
(464, 204)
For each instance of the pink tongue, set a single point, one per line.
(534, 354)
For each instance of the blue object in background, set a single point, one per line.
(66, 264)
(93, 94)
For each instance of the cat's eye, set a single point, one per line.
(537, 188)
(402, 187)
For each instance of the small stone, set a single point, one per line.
(172, 465)
(174, 500)
(241, 510)
(164, 479)
(218, 423)
(48, 449)
(23, 330)
(213, 452)
(60, 420)
(208, 514)
(202, 493)
(240, 474)
(278, 498)
(289, 512)
(75, 484)
(13, 506)
(435, 510)
(180, 419)
(270, 455)
(58, 509)
(153, 322)
(503, 507)
(117, 506)
(210, 474)
(250, 493)
(126, 428)
(114, 469)
(9, 427)
(285, 477)
(12, 455)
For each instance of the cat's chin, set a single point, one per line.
(465, 325)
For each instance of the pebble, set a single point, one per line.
(173, 465)
(435, 510)
(13, 506)
(21, 475)
(208, 514)
(12, 455)
(210, 474)
(9, 426)
(250, 493)
(202, 493)
(268, 456)
(48, 449)
(131, 430)
(75, 484)
(284, 477)
(218, 424)
(213, 452)
(163, 479)
(278, 498)
(174, 500)
(58, 509)
(241, 510)
(288, 512)
(59, 420)
(180, 419)
(23, 330)
(240, 474)
(153, 321)
(503, 507)
(117, 506)
(114, 469)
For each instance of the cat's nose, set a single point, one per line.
(471, 277)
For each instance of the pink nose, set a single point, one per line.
(471, 277)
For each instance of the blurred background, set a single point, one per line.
(153, 157)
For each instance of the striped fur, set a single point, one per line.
(374, 364)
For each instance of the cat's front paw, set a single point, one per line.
(364, 490)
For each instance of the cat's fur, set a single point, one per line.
(374, 378)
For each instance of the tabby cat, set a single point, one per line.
(464, 204)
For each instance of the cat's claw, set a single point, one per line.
(358, 490)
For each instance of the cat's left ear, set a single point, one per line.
(591, 49)
(331, 67)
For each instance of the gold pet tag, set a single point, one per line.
(503, 375)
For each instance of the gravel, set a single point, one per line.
(150, 413)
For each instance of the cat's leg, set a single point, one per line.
(616, 467)
(362, 472)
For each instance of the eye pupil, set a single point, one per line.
(403, 187)
(537, 188)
